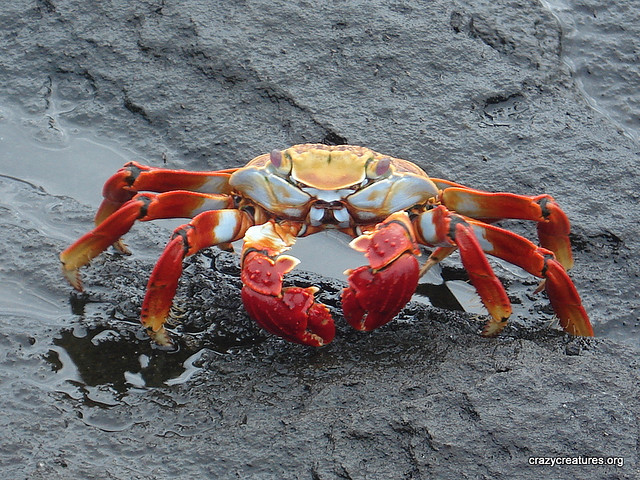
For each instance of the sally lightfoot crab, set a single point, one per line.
(388, 205)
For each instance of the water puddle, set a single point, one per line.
(98, 356)
(98, 368)
(60, 159)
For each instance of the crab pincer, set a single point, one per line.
(290, 312)
(378, 291)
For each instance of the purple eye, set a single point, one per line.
(383, 166)
(276, 158)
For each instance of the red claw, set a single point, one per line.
(294, 316)
(373, 299)
(291, 312)
(263, 274)
(378, 292)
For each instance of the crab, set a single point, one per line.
(389, 206)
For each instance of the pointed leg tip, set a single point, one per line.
(73, 277)
(566, 302)
(121, 247)
(493, 327)
(161, 338)
(579, 326)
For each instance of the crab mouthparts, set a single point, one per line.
(323, 212)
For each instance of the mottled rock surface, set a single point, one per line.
(476, 92)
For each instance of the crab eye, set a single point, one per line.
(276, 158)
(383, 166)
(280, 161)
(377, 168)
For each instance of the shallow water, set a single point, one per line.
(599, 54)
(53, 156)
(50, 158)
(65, 161)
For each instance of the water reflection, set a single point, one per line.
(92, 357)
(601, 56)
(101, 356)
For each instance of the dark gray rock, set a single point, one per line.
(475, 92)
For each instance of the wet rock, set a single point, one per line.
(475, 92)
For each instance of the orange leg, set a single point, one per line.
(542, 263)
(213, 227)
(442, 228)
(143, 207)
(291, 312)
(378, 291)
(436, 257)
(553, 225)
(448, 231)
(483, 278)
(135, 177)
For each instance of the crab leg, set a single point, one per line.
(553, 225)
(207, 229)
(436, 257)
(143, 207)
(378, 291)
(135, 177)
(291, 312)
(448, 231)
(443, 228)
